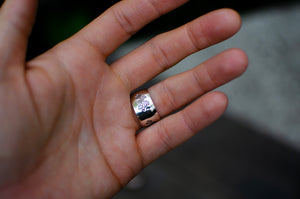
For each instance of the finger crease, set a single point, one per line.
(155, 8)
(160, 56)
(124, 21)
(210, 79)
(197, 79)
(196, 42)
(170, 96)
(123, 78)
(165, 137)
(187, 120)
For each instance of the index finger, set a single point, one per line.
(107, 32)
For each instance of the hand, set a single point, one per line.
(67, 126)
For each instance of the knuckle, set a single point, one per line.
(169, 96)
(156, 9)
(189, 122)
(197, 40)
(165, 137)
(124, 20)
(160, 55)
(203, 79)
(198, 81)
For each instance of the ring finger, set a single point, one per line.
(179, 90)
(167, 49)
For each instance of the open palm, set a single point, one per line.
(67, 126)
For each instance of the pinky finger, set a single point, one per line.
(172, 131)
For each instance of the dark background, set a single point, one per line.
(229, 159)
(59, 19)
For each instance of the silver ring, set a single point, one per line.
(144, 108)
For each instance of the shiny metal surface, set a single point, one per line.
(144, 108)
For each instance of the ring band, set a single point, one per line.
(144, 108)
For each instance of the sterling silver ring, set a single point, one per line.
(144, 108)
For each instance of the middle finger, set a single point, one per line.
(167, 49)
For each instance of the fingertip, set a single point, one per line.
(228, 21)
(217, 25)
(236, 62)
(213, 105)
(219, 101)
(241, 59)
(232, 18)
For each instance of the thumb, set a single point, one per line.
(16, 21)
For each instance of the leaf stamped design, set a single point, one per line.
(143, 104)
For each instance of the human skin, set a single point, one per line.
(67, 126)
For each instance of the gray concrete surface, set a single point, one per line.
(267, 96)
(227, 160)
(253, 152)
